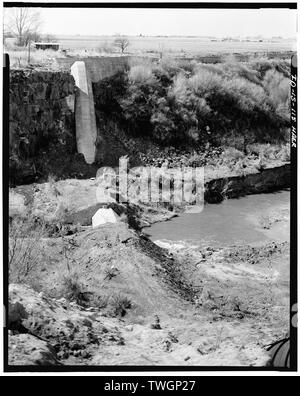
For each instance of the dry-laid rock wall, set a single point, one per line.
(41, 114)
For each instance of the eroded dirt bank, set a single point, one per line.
(233, 186)
(142, 305)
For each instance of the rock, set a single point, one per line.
(16, 314)
(75, 346)
(156, 325)
(85, 354)
(46, 322)
(36, 106)
(87, 323)
(63, 355)
(129, 327)
(200, 351)
(104, 216)
(25, 349)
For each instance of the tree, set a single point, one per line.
(122, 43)
(49, 38)
(24, 23)
(31, 37)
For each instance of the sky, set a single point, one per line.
(195, 22)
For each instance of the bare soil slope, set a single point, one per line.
(169, 320)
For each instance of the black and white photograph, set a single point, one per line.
(149, 187)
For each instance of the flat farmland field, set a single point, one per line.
(193, 45)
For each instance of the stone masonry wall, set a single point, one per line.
(41, 114)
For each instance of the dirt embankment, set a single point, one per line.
(232, 186)
(139, 304)
(142, 306)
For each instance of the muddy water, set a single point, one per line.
(249, 220)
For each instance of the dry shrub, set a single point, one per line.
(181, 102)
(261, 165)
(217, 69)
(270, 151)
(196, 160)
(120, 304)
(248, 95)
(19, 57)
(179, 87)
(205, 81)
(73, 289)
(278, 88)
(244, 94)
(140, 74)
(231, 154)
(25, 249)
(240, 70)
(285, 153)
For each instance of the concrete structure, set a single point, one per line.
(85, 119)
(85, 72)
(103, 66)
(103, 216)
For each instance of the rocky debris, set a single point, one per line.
(178, 157)
(17, 313)
(156, 325)
(278, 216)
(56, 328)
(27, 350)
(242, 283)
(169, 341)
(252, 254)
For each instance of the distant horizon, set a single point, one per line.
(160, 22)
(170, 35)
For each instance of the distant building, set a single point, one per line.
(45, 46)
